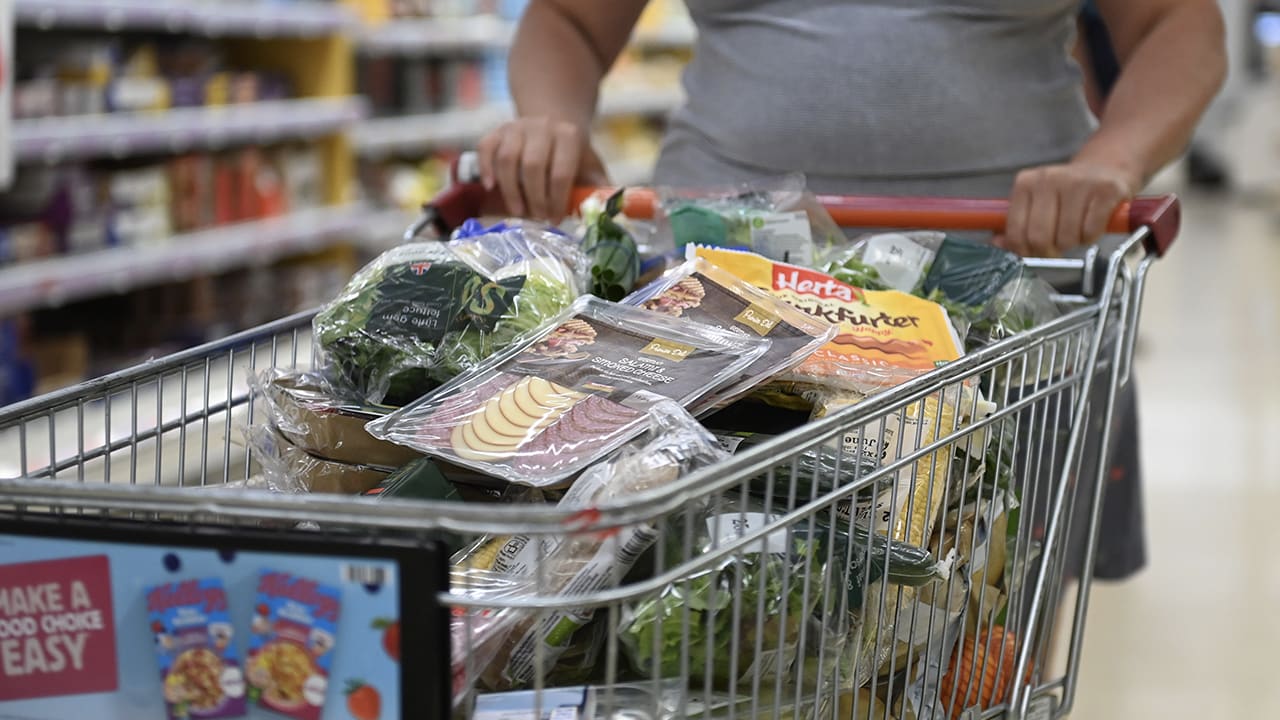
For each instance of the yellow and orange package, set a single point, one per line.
(884, 338)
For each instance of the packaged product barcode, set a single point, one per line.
(364, 574)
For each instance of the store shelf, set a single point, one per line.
(414, 133)
(431, 36)
(56, 281)
(258, 18)
(124, 134)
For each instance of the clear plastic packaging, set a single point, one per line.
(584, 563)
(421, 313)
(308, 412)
(768, 595)
(704, 293)
(884, 337)
(776, 217)
(287, 468)
(571, 393)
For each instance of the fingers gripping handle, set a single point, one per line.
(466, 198)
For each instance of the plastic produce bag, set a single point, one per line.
(767, 595)
(581, 563)
(572, 393)
(702, 292)
(884, 337)
(885, 261)
(423, 312)
(776, 217)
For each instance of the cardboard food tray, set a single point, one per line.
(329, 428)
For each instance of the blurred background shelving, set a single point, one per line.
(188, 168)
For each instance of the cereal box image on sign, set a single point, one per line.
(57, 628)
(195, 642)
(295, 622)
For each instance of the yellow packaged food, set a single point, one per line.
(884, 338)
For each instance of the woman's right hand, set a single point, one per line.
(535, 163)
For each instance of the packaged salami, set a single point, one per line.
(295, 626)
(702, 292)
(884, 337)
(572, 393)
(584, 563)
(195, 642)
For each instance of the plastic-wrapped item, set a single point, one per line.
(580, 563)
(759, 595)
(570, 394)
(776, 217)
(288, 468)
(476, 633)
(423, 312)
(885, 261)
(307, 412)
(615, 259)
(704, 293)
(884, 337)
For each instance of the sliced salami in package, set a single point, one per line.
(700, 291)
(572, 393)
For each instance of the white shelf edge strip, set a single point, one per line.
(383, 135)
(430, 35)
(253, 17)
(121, 134)
(56, 281)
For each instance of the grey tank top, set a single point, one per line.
(878, 96)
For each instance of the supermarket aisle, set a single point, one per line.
(1195, 635)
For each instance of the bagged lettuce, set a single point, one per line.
(421, 313)
(758, 595)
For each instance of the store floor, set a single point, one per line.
(1196, 634)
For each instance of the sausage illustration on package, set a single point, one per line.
(295, 623)
(572, 393)
(885, 337)
(195, 642)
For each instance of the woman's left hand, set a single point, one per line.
(1057, 208)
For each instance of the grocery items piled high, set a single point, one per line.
(606, 359)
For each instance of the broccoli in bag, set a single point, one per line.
(421, 313)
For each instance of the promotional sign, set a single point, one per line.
(137, 623)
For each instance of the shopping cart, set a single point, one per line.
(797, 613)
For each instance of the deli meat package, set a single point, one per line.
(704, 293)
(572, 393)
(884, 338)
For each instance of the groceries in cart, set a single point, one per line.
(572, 393)
(776, 218)
(516, 363)
(422, 313)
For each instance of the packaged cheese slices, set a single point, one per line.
(884, 337)
(571, 393)
(704, 293)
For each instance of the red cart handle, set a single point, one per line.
(1161, 215)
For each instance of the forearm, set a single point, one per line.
(1167, 80)
(553, 70)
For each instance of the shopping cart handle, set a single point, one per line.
(1161, 215)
